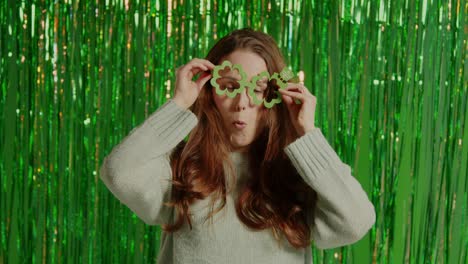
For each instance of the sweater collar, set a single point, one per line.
(240, 161)
(239, 158)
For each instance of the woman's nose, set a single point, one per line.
(243, 99)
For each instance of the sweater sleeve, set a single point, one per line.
(137, 171)
(343, 213)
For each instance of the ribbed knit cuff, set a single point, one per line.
(172, 123)
(311, 154)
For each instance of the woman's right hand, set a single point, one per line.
(187, 90)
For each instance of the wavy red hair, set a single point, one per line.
(276, 196)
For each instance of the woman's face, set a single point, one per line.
(241, 107)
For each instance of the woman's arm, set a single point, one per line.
(343, 213)
(138, 172)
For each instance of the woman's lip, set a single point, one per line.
(239, 125)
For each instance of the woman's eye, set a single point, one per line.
(229, 87)
(258, 91)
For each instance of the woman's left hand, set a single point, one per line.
(303, 114)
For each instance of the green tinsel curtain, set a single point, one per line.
(390, 77)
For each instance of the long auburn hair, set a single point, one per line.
(275, 196)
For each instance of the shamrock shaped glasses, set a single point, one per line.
(229, 79)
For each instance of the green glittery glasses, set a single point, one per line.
(230, 79)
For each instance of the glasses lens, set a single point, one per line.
(229, 79)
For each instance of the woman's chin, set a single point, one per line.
(239, 145)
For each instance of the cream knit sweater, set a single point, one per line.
(137, 169)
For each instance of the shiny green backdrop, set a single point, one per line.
(76, 76)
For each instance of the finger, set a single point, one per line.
(294, 85)
(287, 99)
(295, 90)
(298, 87)
(198, 67)
(196, 71)
(191, 69)
(205, 66)
(203, 79)
(292, 93)
(297, 96)
(194, 67)
(207, 63)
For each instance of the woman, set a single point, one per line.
(267, 179)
